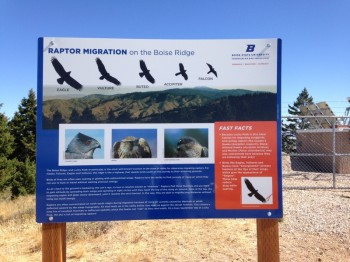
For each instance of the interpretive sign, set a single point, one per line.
(158, 129)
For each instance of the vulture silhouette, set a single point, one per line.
(81, 147)
(189, 147)
(64, 75)
(145, 72)
(132, 147)
(105, 74)
(253, 191)
(212, 70)
(182, 71)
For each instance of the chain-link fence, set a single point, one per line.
(316, 152)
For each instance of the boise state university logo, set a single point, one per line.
(250, 48)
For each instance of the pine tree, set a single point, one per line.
(7, 167)
(6, 139)
(23, 128)
(111, 117)
(87, 116)
(74, 116)
(291, 125)
(57, 119)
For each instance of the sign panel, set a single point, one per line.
(158, 129)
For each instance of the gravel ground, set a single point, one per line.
(317, 211)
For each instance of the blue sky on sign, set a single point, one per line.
(315, 36)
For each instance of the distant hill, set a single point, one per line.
(180, 105)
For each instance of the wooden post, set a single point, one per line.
(54, 242)
(268, 240)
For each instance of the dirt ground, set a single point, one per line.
(178, 240)
(315, 227)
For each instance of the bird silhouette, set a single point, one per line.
(64, 75)
(145, 72)
(182, 71)
(212, 70)
(81, 147)
(253, 191)
(132, 147)
(189, 147)
(105, 74)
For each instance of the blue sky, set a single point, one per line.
(315, 36)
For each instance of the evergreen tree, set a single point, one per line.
(6, 139)
(291, 125)
(74, 116)
(23, 181)
(111, 117)
(23, 128)
(57, 119)
(87, 116)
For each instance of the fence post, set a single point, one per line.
(268, 240)
(54, 242)
(334, 155)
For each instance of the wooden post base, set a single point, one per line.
(268, 240)
(54, 242)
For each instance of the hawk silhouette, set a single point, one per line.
(105, 74)
(189, 147)
(253, 191)
(145, 72)
(81, 147)
(212, 70)
(132, 147)
(64, 75)
(182, 71)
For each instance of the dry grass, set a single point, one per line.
(211, 240)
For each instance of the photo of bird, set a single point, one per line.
(132, 147)
(182, 71)
(105, 74)
(145, 72)
(81, 147)
(189, 147)
(64, 75)
(253, 191)
(212, 70)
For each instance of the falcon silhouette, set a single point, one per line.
(145, 72)
(182, 71)
(81, 147)
(253, 191)
(105, 74)
(65, 76)
(212, 70)
(132, 147)
(189, 147)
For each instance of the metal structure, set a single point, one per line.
(346, 121)
(317, 111)
(321, 158)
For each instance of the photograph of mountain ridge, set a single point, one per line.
(178, 105)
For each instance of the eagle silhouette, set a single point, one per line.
(182, 71)
(132, 147)
(64, 75)
(145, 72)
(81, 147)
(253, 191)
(105, 74)
(189, 147)
(212, 70)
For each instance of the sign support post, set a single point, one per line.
(268, 240)
(54, 242)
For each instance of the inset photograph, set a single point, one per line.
(84, 144)
(186, 143)
(256, 190)
(134, 143)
